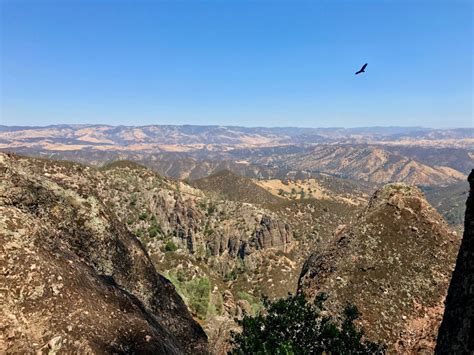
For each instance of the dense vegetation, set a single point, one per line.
(294, 326)
(196, 293)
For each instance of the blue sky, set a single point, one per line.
(251, 63)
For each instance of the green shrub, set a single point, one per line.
(215, 305)
(199, 291)
(196, 293)
(170, 246)
(133, 201)
(139, 232)
(242, 295)
(154, 230)
(211, 209)
(230, 276)
(181, 275)
(143, 216)
(254, 302)
(208, 231)
(294, 326)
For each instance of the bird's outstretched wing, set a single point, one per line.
(362, 70)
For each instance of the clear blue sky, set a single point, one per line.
(252, 63)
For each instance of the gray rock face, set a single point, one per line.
(456, 334)
(77, 280)
(270, 233)
(196, 222)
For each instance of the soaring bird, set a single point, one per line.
(362, 70)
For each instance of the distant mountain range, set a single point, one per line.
(153, 136)
(415, 155)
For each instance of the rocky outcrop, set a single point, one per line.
(74, 278)
(194, 221)
(393, 264)
(219, 329)
(456, 334)
(269, 234)
(193, 228)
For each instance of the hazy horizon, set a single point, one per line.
(232, 125)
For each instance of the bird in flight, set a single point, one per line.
(362, 70)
